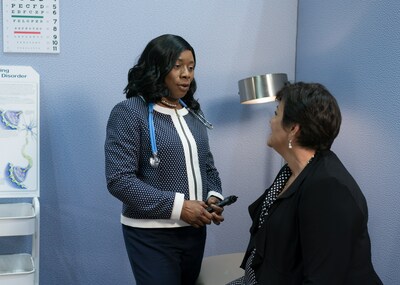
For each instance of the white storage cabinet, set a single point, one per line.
(19, 219)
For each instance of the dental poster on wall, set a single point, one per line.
(19, 131)
(31, 26)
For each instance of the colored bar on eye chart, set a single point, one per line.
(27, 33)
(31, 26)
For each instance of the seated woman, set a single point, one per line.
(310, 226)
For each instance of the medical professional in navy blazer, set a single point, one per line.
(159, 165)
(310, 225)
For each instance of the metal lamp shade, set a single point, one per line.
(261, 88)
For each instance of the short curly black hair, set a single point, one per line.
(147, 77)
(314, 108)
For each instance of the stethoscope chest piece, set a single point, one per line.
(154, 160)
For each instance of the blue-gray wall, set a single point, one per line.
(353, 47)
(81, 241)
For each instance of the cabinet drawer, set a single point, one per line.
(16, 269)
(17, 219)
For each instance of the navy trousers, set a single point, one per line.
(170, 256)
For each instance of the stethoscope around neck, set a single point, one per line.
(154, 159)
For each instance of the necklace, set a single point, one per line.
(168, 104)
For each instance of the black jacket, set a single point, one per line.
(316, 232)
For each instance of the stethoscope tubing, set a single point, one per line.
(154, 159)
(200, 117)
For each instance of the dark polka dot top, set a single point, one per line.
(153, 197)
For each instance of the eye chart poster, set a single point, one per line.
(31, 26)
(19, 131)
